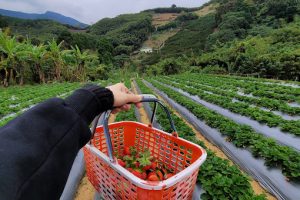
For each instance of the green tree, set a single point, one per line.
(81, 58)
(55, 54)
(37, 57)
(105, 51)
(9, 48)
(66, 37)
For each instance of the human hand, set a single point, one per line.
(123, 96)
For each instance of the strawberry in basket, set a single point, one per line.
(143, 165)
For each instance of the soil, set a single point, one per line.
(157, 40)
(163, 18)
(85, 190)
(112, 118)
(206, 10)
(257, 188)
(143, 113)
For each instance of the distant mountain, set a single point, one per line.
(47, 15)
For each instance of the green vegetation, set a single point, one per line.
(114, 39)
(16, 99)
(125, 33)
(215, 171)
(266, 117)
(36, 30)
(191, 38)
(242, 37)
(242, 136)
(270, 97)
(22, 62)
(172, 9)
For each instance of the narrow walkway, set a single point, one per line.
(143, 114)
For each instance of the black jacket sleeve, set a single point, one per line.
(37, 149)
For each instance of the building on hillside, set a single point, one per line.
(146, 50)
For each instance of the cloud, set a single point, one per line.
(90, 11)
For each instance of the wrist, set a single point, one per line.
(90, 101)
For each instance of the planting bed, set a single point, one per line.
(245, 148)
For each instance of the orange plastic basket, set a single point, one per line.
(115, 182)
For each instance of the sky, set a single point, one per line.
(90, 11)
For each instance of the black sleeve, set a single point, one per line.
(37, 149)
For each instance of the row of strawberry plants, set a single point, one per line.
(5, 120)
(266, 117)
(249, 88)
(215, 171)
(242, 136)
(30, 98)
(262, 102)
(262, 80)
(24, 93)
(21, 97)
(47, 91)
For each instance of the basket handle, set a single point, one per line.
(145, 98)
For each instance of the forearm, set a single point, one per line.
(37, 149)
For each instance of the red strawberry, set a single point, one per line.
(121, 162)
(153, 165)
(129, 169)
(151, 173)
(153, 177)
(147, 167)
(144, 175)
(126, 151)
(137, 173)
(168, 176)
(160, 175)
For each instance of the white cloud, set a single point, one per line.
(90, 11)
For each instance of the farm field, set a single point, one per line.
(255, 120)
(249, 127)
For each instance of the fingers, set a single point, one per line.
(116, 110)
(125, 107)
(133, 98)
(138, 105)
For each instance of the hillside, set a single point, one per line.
(256, 38)
(47, 15)
(39, 30)
(124, 34)
(242, 37)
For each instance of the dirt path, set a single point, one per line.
(257, 188)
(143, 113)
(85, 190)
